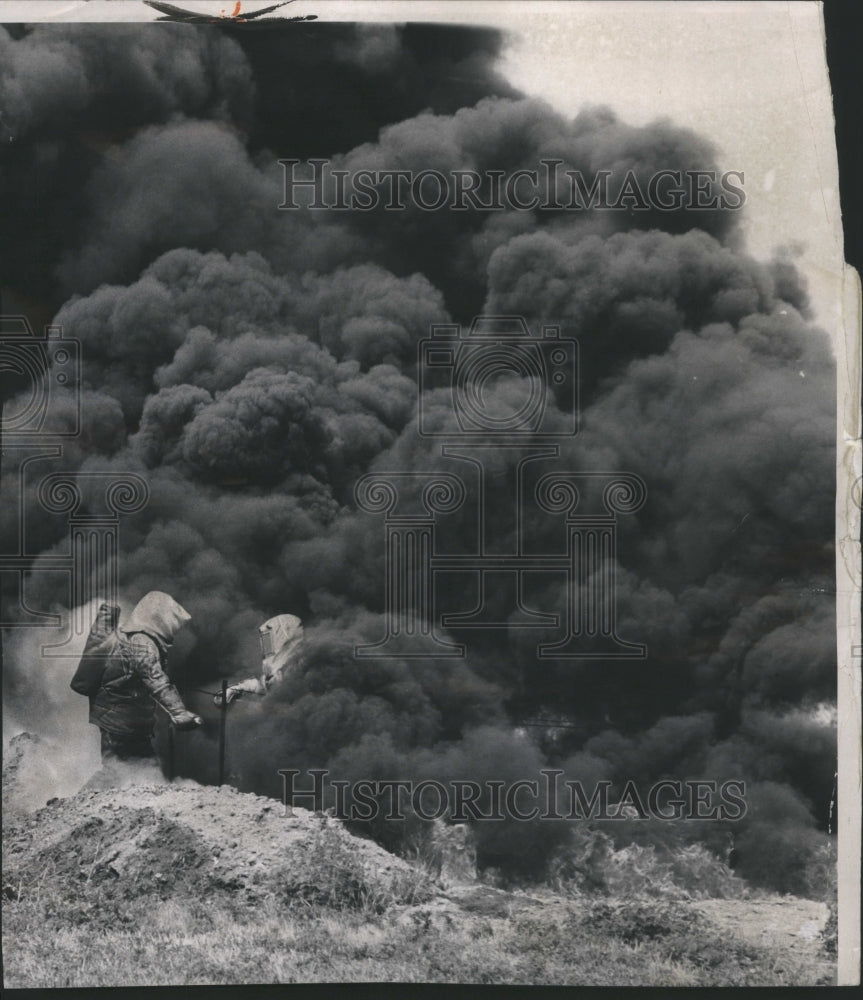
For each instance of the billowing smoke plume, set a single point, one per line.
(253, 363)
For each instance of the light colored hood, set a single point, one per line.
(281, 638)
(159, 615)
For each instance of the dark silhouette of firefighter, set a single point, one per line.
(123, 672)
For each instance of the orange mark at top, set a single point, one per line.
(237, 8)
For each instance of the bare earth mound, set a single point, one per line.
(185, 884)
(175, 840)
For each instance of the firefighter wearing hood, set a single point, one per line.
(281, 642)
(135, 682)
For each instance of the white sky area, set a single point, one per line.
(751, 77)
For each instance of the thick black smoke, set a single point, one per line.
(253, 363)
(326, 88)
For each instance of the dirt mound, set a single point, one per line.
(190, 840)
(222, 881)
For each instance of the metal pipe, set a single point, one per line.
(223, 718)
(171, 769)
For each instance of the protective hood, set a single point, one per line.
(159, 615)
(281, 638)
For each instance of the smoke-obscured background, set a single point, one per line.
(252, 363)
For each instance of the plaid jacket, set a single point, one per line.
(133, 683)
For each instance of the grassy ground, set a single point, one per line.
(183, 886)
(53, 942)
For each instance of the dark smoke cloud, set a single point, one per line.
(69, 94)
(207, 319)
(68, 76)
(509, 134)
(252, 364)
(74, 95)
(326, 88)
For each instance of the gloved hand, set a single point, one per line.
(186, 720)
(231, 694)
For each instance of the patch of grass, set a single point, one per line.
(635, 921)
(589, 862)
(334, 876)
(328, 914)
(830, 934)
(218, 940)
